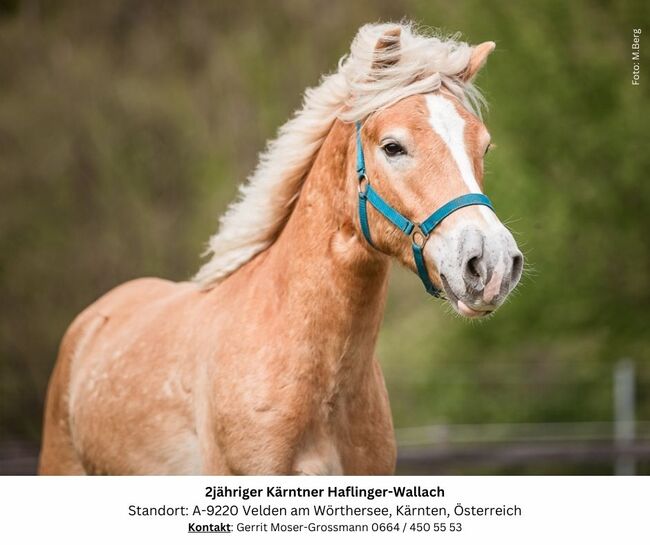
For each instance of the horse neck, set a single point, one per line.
(334, 284)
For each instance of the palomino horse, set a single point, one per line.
(264, 364)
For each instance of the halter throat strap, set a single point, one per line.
(418, 232)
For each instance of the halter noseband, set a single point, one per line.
(419, 232)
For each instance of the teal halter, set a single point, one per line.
(419, 232)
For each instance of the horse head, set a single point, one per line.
(423, 154)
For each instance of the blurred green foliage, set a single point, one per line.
(126, 126)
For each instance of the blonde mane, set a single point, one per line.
(368, 79)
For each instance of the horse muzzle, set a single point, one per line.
(478, 268)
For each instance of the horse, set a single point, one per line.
(264, 363)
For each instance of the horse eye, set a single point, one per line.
(392, 149)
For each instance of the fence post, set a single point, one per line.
(624, 417)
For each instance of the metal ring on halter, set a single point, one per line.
(363, 185)
(417, 232)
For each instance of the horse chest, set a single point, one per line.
(318, 456)
(338, 437)
(330, 455)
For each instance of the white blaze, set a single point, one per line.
(450, 126)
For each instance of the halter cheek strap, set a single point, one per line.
(418, 232)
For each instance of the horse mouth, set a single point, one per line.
(461, 307)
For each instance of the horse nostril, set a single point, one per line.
(472, 267)
(517, 267)
(474, 273)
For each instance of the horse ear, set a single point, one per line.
(387, 50)
(477, 60)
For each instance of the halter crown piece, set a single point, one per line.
(419, 232)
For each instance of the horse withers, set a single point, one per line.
(264, 363)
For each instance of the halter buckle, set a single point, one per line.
(363, 185)
(418, 238)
